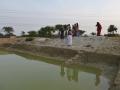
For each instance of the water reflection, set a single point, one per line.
(97, 79)
(72, 73)
(62, 73)
(32, 71)
(3, 52)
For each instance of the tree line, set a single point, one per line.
(48, 31)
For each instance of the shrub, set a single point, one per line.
(112, 35)
(32, 34)
(29, 39)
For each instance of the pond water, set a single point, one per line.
(22, 72)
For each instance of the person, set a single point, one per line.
(78, 33)
(77, 30)
(61, 33)
(73, 30)
(69, 38)
(99, 28)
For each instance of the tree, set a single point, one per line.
(112, 29)
(59, 27)
(8, 30)
(32, 34)
(46, 31)
(1, 35)
(23, 33)
(62, 29)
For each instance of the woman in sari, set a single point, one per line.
(99, 28)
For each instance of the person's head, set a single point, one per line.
(98, 23)
(77, 24)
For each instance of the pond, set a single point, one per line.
(23, 72)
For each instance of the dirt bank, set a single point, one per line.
(8, 40)
(48, 51)
(104, 45)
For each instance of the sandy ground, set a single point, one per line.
(107, 45)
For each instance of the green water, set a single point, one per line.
(24, 72)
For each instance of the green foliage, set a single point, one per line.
(1, 35)
(22, 33)
(32, 34)
(29, 39)
(61, 27)
(46, 31)
(93, 33)
(85, 35)
(112, 29)
(8, 30)
(112, 35)
(81, 32)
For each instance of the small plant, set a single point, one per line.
(93, 33)
(29, 39)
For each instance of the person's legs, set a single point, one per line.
(98, 32)
(69, 40)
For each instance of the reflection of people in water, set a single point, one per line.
(69, 74)
(62, 73)
(72, 74)
(97, 79)
(75, 75)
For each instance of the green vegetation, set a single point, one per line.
(8, 31)
(111, 31)
(4, 51)
(46, 31)
(1, 35)
(32, 34)
(29, 39)
(93, 33)
(22, 33)
(61, 27)
(31, 56)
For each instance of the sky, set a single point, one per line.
(26, 15)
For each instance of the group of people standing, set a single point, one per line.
(74, 31)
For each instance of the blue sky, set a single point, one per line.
(37, 13)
